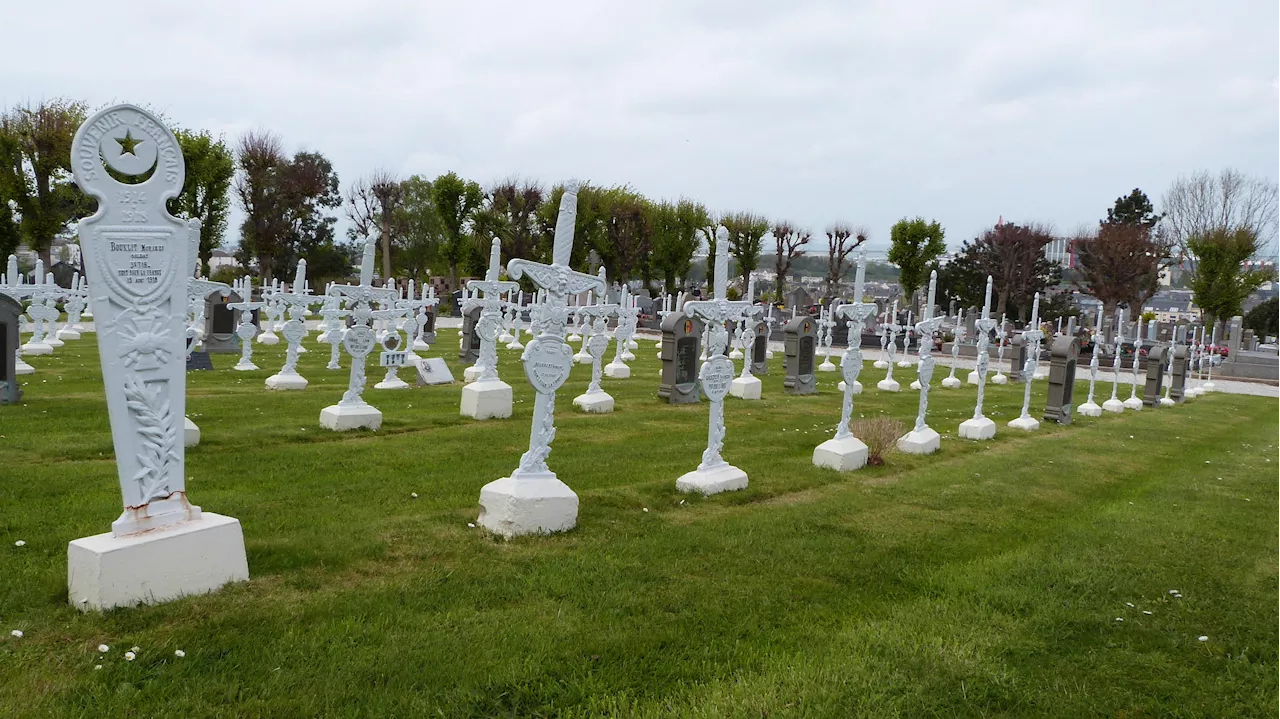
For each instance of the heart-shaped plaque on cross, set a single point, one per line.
(547, 364)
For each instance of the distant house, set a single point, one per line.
(798, 297)
(1173, 306)
(221, 258)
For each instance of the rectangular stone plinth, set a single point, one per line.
(195, 557)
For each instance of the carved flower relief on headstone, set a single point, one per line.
(135, 257)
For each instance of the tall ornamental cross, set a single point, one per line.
(717, 371)
(547, 358)
(983, 328)
(924, 347)
(489, 326)
(360, 338)
(297, 301)
(597, 341)
(1033, 335)
(851, 363)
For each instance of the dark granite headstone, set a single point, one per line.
(429, 329)
(681, 347)
(1155, 375)
(1017, 353)
(800, 342)
(10, 311)
(469, 350)
(1178, 379)
(760, 349)
(220, 324)
(197, 361)
(1063, 354)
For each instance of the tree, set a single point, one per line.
(913, 246)
(838, 250)
(1120, 263)
(1264, 319)
(1222, 282)
(788, 242)
(674, 238)
(515, 205)
(374, 205)
(456, 201)
(746, 237)
(963, 279)
(310, 189)
(1014, 257)
(1133, 209)
(1058, 304)
(420, 229)
(1198, 205)
(35, 177)
(624, 243)
(206, 189)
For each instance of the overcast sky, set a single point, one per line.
(807, 111)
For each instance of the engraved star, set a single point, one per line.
(128, 144)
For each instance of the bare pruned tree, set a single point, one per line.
(373, 205)
(788, 243)
(842, 240)
(1120, 263)
(1204, 204)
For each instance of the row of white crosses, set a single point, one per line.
(595, 340)
(1032, 335)
(487, 396)
(246, 329)
(627, 312)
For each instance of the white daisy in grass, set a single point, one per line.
(179, 653)
(103, 648)
(129, 656)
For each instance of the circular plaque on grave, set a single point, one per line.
(391, 341)
(294, 331)
(358, 340)
(716, 376)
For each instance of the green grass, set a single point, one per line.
(985, 580)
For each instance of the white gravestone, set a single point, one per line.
(827, 324)
(883, 363)
(533, 500)
(981, 427)
(296, 301)
(618, 369)
(197, 291)
(272, 311)
(845, 452)
(40, 314)
(595, 400)
(923, 439)
(1000, 377)
(11, 284)
(906, 343)
(713, 474)
(245, 330)
(747, 385)
(352, 411)
(136, 257)
(951, 381)
(1135, 402)
(1032, 334)
(488, 396)
(1091, 408)
(889, 384)
(1115, 405)
(74, 306)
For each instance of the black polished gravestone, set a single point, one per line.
(1062, 379)
(1017, 352)
(429, 329)
(801, 343)
(220, 323)
(681, 346)
(1178, 378)
(1156, 357)
(10, 311)
(760, 349)
(469, 348)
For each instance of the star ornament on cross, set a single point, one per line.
(128, 144)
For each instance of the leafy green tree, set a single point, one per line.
(963, 280)
(35, 174)
(421, 231)
(1133, 209)
(1058, 304)
(675, 238)
(456, 202)
(623, 243)
(206, 191)
(914, 245)
(1222, 281)
(746, 238)
(1264, 319)
(515, 207)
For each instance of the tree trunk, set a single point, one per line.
(386, 255)
(1002, 303)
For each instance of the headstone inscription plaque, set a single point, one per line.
(681, 340)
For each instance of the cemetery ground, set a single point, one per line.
(1119, 566)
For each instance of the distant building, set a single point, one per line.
(221, 258)
(1173, 306)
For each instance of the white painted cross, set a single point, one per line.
(1032, 336)
(296, 301)
(923, 439)
(245, 330)
(489, 325)
(979, 426)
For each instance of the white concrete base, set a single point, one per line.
(21, 367)
(420, 346)
(1040, 374)
(972, 378)
(393, 383)
(768, 354)
(582, 357)
(66, 333)
(343, 417)
(725, 478)
(631, 344)
(925, 441)
(984, 428)
(857, 387)
(827, 366)
(37, 348)
(433, 370)
(999, 378)
(1113, 405)
(888, 385)
(190, 433)
(842, 455)
(302, 350)
(735, 354)
(1166, 402)
(573, 337)
(268, 338)
(53, 341)
(515, 345)
(281, 381)
(905, 364)
(594, 403)
(617, 370)
(540, 504)
(1026, 424)
(469, 374)
(488, 399)
(1192, 392)
(1089, 409)
(194, 557)
(915, 384)
(746, 387)
(628, 356)
(505, 337)
(1133, 403)
(1208, 386)
(245, 367)
(880, 364)
(951, 382)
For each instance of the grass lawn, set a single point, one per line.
(1028, 576)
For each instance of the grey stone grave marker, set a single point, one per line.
(10, 311)
(1156, 357)
(801, 345)
(681, 347)
(1063, 355)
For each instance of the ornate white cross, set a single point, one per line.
(925, 329)
(359, 338)
(1032, 335)
(489, 325)
(851, 363)
(983, 328)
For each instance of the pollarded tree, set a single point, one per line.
(674, 238)
(35, 171)
(206, 190)
(1222, 280)
(914, 245)
(374, 204)
(624, 242)
(788, 243)
(746, 238)
(515, 206)
(842, 240)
